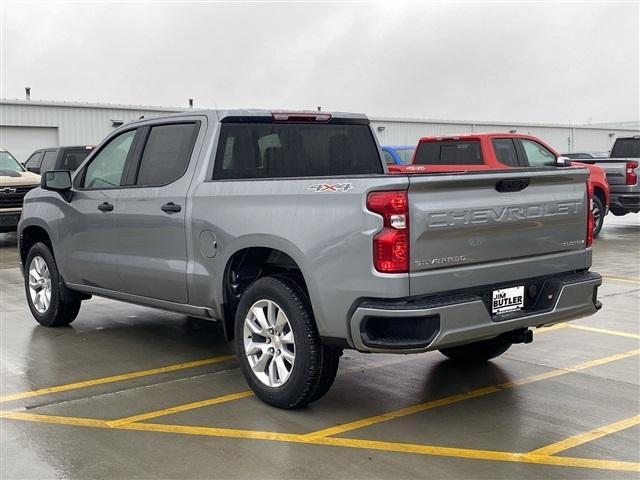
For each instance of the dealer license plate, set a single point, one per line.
(507, 299)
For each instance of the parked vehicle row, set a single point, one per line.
(287, 229)
(495, 151)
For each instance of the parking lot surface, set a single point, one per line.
(131, 392)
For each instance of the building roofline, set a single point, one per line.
(108, 106)
(373, 118)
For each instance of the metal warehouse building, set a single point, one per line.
(26, 125)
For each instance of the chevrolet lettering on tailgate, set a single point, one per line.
(497, 215)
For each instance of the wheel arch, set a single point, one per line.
(250, 260)
(28, 236)
(601, 194)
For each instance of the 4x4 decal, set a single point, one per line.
(330, 187)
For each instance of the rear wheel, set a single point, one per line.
(280, 351)
(478, 351)
(598, 215)
(43, 288)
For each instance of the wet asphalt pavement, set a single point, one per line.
(565, 406)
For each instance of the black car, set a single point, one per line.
(57, 158)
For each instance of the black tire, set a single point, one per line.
(329, 369)
(598, 215)
(313, 369)
(60, 311)
(478, 351)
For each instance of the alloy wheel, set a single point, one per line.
(269, 344)
(39, 284)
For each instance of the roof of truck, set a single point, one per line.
(63, 147)
(475, 136)
(221, 114)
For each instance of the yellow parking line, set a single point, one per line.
(622, 279)
(373, 420)
(181, 408)
(480, 454)
(56, 419)
(197, 363)
(115, 378)
(581, 438)
(434, 450)
(604, 330)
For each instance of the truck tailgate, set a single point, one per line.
(487, 219)
(615, 169)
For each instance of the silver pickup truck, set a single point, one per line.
(285, 227)
(622, 169)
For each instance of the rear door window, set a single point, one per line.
(537, 155)
(49, 161)
(73, 157)
(505, 151)
(277, 150)
(166, 153)
(458, 152)
(626, 148)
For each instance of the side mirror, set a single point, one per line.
(56, 180)
(563, 162)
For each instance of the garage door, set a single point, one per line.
(21, 141)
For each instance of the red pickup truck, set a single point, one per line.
(488, 151)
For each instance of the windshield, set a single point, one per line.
(7, 162)
(405, 154)
(449, 152)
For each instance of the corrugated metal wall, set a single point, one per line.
(76, 124)
(89, 123)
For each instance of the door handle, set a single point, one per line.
(105, 207)
(171, 207)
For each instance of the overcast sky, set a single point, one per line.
(543, 62)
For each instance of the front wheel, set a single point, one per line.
(478, 351)
(43, 288)
(280, 351)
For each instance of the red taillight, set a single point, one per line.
(391, 244)
(590, 220)
(631, 176)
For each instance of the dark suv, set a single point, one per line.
(57, 158)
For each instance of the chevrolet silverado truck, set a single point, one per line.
(15, 182)
(622, 169)
(287, 229)
(481, 151)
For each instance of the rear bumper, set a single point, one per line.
(629, 201)
(434, 322)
